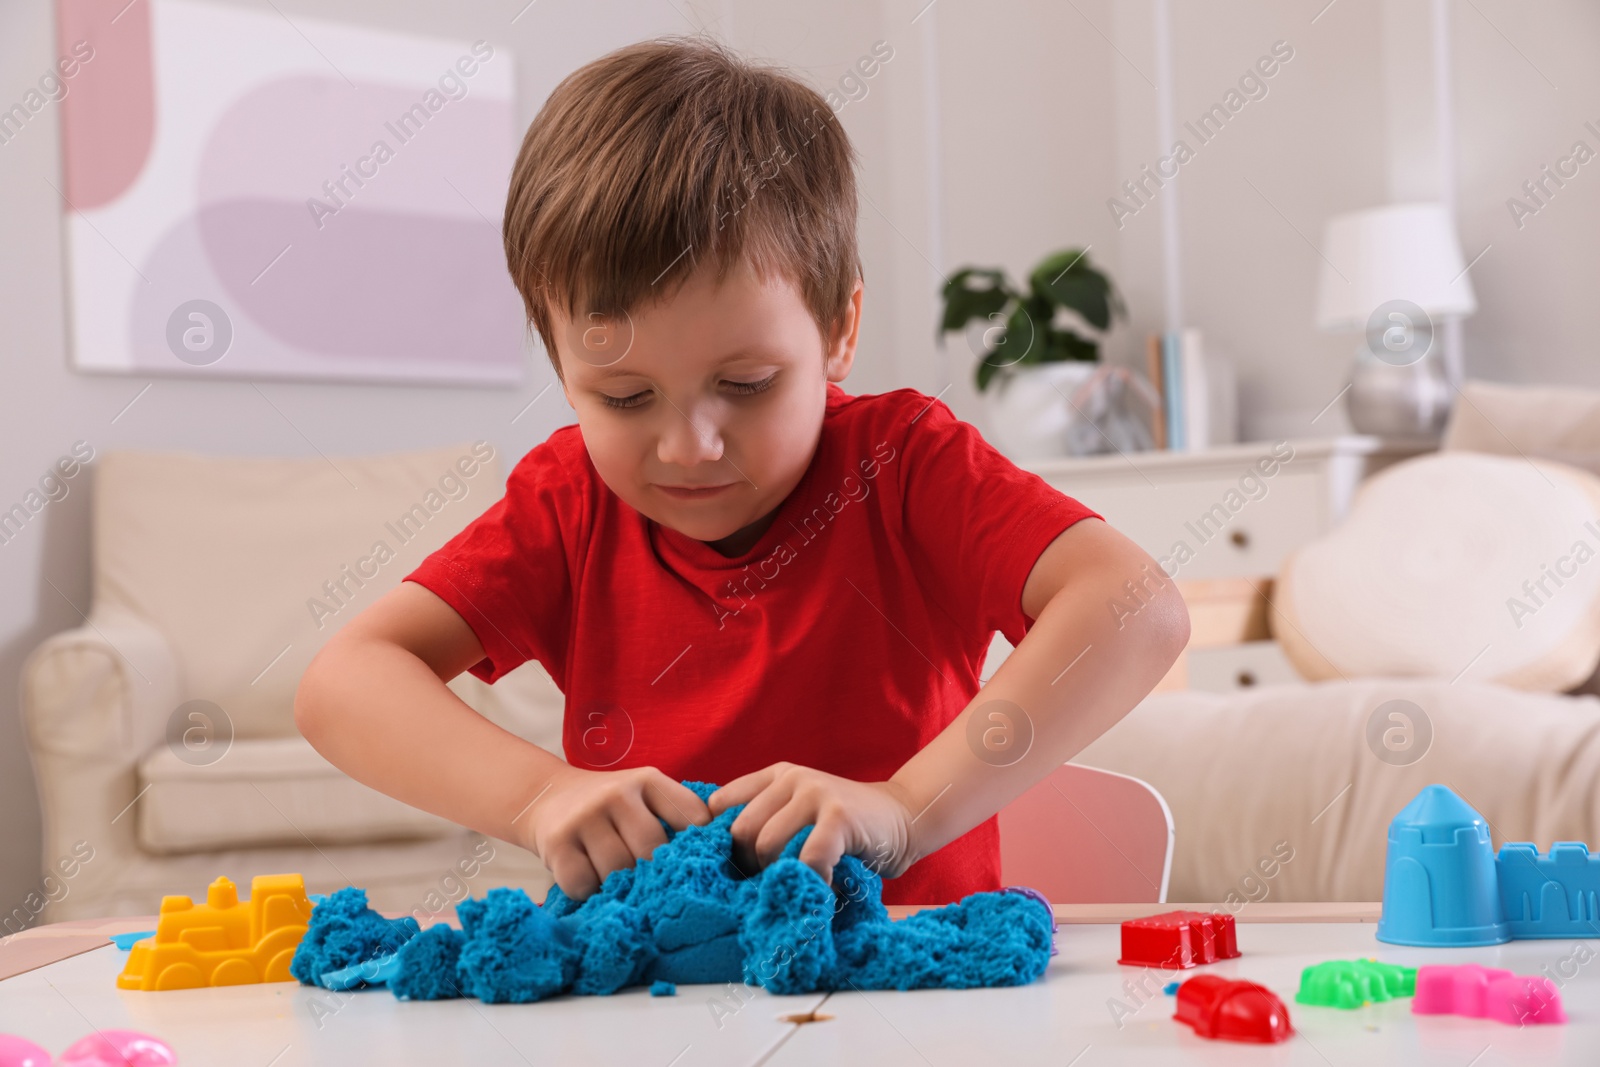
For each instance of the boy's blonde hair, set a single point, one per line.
(672, 154)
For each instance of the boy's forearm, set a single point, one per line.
(380, 714)
(1079, 669)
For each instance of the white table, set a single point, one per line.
(1064, 1019)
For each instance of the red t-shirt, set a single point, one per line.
(845, 639)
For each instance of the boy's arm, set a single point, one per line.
(1082, 666)
(1093, 652)
(375, 704)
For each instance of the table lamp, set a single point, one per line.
(1394, 274)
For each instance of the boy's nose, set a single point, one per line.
(689, 440)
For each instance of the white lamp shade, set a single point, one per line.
(1396, 252)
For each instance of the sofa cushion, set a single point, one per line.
(247, 565)
(1285, 792)
(1452, 564)
(1558, 422)
(266, 792)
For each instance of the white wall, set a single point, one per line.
(1042, 110)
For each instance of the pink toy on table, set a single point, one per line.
(103, 1048)
(1486, 992)
(20, 1052)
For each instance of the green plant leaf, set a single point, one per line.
(1064, 279)
(1025, 335)
(1019, 343)
(1064, 345)
(1067, 279)
(985, 374)
(964, 301)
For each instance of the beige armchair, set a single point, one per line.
(162, 730)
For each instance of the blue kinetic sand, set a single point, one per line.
(663, 989)
(374, 972)
(1550, 896)
(125, 941)
(344, 932)
(687, 916)
(1440, 884)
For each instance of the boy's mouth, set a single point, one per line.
(694, 492)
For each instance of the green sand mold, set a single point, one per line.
(1349, 984)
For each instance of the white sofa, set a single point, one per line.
(1414, 586)
(1285, 792)
(162, 730)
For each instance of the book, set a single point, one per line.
(1172, 390)
(1158, 417)
(1196, 392)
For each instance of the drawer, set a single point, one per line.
(1245, 666)
(1228, 533)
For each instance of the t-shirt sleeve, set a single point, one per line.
(976, 523)
(509, 572)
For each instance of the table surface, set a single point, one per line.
(1086, 1010)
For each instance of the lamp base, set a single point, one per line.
(1397, 401)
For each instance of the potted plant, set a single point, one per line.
(1031, 356)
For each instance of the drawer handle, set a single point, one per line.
(1246, 679)
(1240, 539)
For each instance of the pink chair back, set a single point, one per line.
(1087, 836)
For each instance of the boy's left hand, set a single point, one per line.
(867, 819)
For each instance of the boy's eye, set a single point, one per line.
(633, 400)
(755, 387)
(623, 402)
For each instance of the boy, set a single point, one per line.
(735, 571)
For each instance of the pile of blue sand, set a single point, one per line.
(686, 915)
(344, 932)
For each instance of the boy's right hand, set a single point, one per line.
(586, 824)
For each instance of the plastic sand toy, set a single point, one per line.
(1439, 880)
(1487, 993)
(1176, 940)
(1443, 885)
(103, 1048)
(1352, 983)
(224, 941)
(1232, 1010)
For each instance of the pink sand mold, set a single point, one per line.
(18, 1051)
(1486, 992)
(103, 1048)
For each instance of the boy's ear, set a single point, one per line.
(841, 353)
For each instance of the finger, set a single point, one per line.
(573, 872)
(824, 848)
(641, 831)
(748, 826)
(781, 828)
(674, 802)
(605, 848)
(742, 789)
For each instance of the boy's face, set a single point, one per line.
(718, 386)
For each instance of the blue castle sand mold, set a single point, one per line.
(684, 916)
(1444, 885)
(1550, 896)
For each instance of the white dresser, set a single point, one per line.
(1230, 512)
